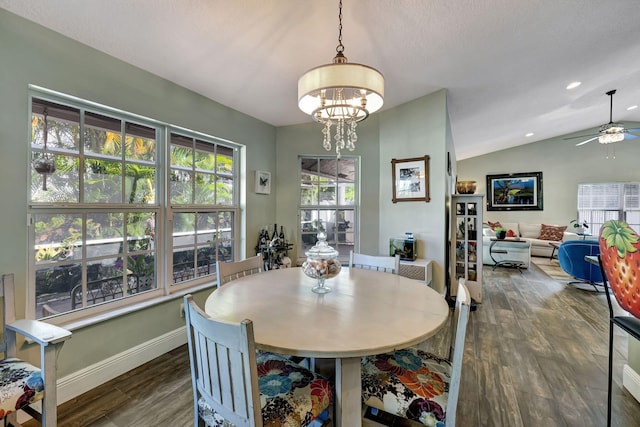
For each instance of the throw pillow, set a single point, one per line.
(511, 233)
(552, 232)
(494, 225)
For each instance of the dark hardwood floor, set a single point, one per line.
(535, 354)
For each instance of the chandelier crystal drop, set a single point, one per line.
(340, 95)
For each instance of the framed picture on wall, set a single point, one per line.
(514, 192)
(263, 182)
(410, 179)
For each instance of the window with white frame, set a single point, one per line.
(109, 198)
(329, 202)
(601, 202)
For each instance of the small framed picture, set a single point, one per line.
(410, 179)
(263, 182)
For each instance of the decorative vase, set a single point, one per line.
(500, 235)
(466, 187)
(321, 264)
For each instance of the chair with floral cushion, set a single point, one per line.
(620, 264)
(235, 385)
(386, 264)
(228, 271)
(417, 385)
(21, 383)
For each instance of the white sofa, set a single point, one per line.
(525, 231)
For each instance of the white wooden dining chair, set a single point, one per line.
(21, 383)
(387, 264)
(228, 271)
(417, 385)
(233, 385)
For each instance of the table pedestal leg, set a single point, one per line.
(348, 392)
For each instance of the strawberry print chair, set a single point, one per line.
(620, 266)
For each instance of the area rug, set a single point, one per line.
(552, 268)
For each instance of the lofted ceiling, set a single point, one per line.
(504, 63)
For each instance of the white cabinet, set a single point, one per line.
(466, 243)
(418, 269)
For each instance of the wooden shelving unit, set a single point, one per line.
(466, 243)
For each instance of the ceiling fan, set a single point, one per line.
(610, 132)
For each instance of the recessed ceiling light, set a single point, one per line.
(529, 134)
(573, 85)
(633, 107)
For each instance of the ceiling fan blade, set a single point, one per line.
(582, 136)
(584, 142)
(630, 136)
(632, 130)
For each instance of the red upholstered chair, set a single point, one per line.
(620, 266)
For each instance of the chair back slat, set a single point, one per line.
(228, 271)
(223, 366)
(386, 264)
(459, 331)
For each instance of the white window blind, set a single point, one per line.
(605, 196)
(632, 196)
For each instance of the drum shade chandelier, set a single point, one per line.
(340, 94)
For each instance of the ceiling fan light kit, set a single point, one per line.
(610, 132)
(614, 133)
(340, 94)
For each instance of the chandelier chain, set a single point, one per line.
(340, 47)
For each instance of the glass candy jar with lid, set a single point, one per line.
(321, 264)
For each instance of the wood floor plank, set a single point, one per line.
(537, 411)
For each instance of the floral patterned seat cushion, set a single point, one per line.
(290, 395)
(409, 383)
(21, 384)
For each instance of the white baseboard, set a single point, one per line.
(99, 373)
(631, 381)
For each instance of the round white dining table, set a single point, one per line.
(367, 312)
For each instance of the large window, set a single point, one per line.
(329, 202)
(111, 194)
(598, 203)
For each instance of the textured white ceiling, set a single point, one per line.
(505, 63)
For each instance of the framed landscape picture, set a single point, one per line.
(514, 192)
(410, 179)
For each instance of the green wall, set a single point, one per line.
(415, 129)
(32, 54)
(563, 167)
